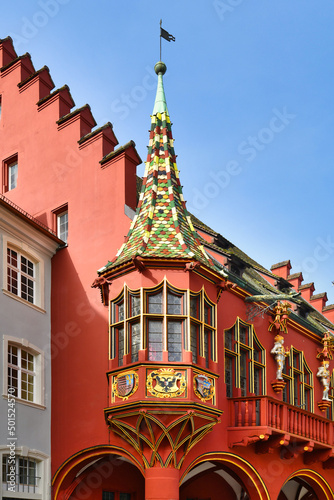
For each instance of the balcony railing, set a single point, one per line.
(245, 414)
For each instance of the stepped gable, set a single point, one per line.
(162, 227)
(7, 51)
(27, 77)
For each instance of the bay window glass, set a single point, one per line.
(244, 361)
(162, 319)
(154, 340)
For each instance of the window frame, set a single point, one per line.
(59, 216)
(116, 495)
(30, 284)
(244, 349)
(56, 214)
(42, 468)
(166, 310)
(330, 410)
(6, 165)
(39, 261)
(295, 375)
(39, 370)
(203, 303)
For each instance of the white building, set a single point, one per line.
(26, 250)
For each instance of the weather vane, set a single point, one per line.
(164, 34)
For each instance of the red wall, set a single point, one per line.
(53, 170)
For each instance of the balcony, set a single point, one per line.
(270, 424)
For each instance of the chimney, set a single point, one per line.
(307, 290)
(319, 301)
(282, 269)
(295, 280)
(328, 312)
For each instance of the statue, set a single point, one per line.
(281, 354)
(324, 374)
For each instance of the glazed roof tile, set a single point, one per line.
(162, 227)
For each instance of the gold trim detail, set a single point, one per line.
(204, 387)
(166, 383)
(162, 437)
(128, 379)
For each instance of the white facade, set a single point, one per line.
(26, 249)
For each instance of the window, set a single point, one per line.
(23, 278)
(330, 410)
(244, 361)
(60, 222)
(27, 478)
(21, 275)
(202, 328)
(62, 226)
(157, 320)
(299, 381)
(10, 173)
(23, 371)
(111, 495)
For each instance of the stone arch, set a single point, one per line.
(100, 461)
(305, 478)
(240, 471)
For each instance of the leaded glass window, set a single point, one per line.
(299, 381)
(244, 361)
(155, 303)
(171, 320)
(154, 340)
(135, 341)
(174, 336)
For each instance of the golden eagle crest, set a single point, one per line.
(166, 383)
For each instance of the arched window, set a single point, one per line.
(162, 319)
(244, 361)
(299, 381)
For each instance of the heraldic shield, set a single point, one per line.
(203, 387)
(166, 383)
(125, 385)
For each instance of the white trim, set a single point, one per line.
(36, 258)
(44, 471)
(39, 396)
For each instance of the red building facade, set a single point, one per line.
(183, 369)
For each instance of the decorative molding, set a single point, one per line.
(146, 431)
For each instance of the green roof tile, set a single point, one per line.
(162, 226)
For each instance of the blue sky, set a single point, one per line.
(249, 88)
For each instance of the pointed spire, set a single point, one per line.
(160, 105)
(162, 227)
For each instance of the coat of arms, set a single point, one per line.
(203, 387)
(166, 383)
(125, 385)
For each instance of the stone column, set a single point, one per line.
(162, 483)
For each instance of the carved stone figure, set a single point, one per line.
(324, 374)
(280, 355)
